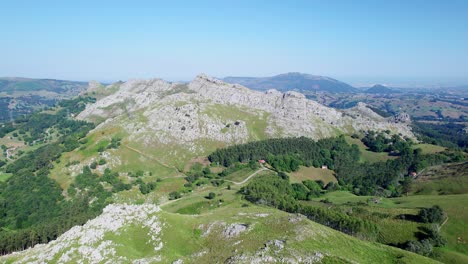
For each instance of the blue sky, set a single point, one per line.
(355, 41)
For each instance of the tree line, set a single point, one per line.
(276, 191)
(385, 178)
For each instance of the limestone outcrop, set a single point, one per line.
(210, 109)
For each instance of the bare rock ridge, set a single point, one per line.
(208, 108)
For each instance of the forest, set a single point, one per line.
(385, 178)
(32, 207)
(450, 135)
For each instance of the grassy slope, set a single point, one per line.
(304, 238)
(184, 217)
(256, 120)
(4, 176)
(456, 226)
(442, 179)
(397, 231)
(371, 157)
(429, 148)
(240, 175)
(311, 173)
(128, 158)
(367, 155)
(192, 211)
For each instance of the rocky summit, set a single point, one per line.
(209, 109)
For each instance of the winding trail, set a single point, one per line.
(248, 178)
(9, 153)
(149, 157)
(446, 219)
(237, 183)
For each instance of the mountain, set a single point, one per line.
(140, 185)
(293, 81)
(380, 89)
(231, 234)
(207, 113)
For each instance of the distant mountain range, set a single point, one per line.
(14, 85)
(381, 89)
(293, 81)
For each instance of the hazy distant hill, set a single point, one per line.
(381, 89)
(293, 81)
(23, 95)
(12, 85)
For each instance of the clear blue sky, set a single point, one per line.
(355, 41)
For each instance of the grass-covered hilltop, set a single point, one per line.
(149, 171)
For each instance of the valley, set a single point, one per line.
(185, 157)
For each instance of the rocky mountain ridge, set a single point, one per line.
(210, 109)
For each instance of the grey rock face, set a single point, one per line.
(209, 109)
(234, 230)
(402, 118)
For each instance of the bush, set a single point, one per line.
(211, 195)
(174, 195)
(434, 214)
(93, 165)
(423, 247)
(435, 238)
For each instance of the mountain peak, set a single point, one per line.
(293, 81)
(380, 88)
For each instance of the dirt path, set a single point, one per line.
(237, 183)
(9, 153)
(446, 219)
(149, 157)
(167, 202)
(248, 178)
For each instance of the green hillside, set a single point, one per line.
(203, 238)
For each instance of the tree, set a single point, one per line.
(206, 170)
(93, 165)
(211, 195)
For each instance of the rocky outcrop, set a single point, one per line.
(90, 243)
(402, 118)
(210, 109)
(234, 230)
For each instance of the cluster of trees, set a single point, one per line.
(383, 142)
(428, 236)
(390, 178)
(386, 178)
(289, 153)
(450, 135)
(5, 129)
(276, 191)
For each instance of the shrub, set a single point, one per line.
(93, 165)
(423, 247)
(211, 195)
(174, 195)
(434, 214)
